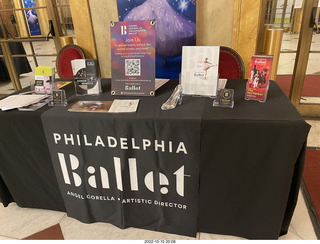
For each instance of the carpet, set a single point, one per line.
(311, 86)
(52, 233)
(311, 187)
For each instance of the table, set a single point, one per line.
(250, 158)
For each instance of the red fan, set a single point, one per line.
(63, 62)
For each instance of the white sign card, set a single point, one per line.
(199, 70)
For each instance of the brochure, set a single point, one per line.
(44, 79)
(133, 58)
(258, 80)
(18, 101)
(35, 106)
(91, 106)
(86, 76)
(199, 71)
(124, 106)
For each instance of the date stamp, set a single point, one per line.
(159, 241)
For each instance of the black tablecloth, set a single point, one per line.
(250, 170)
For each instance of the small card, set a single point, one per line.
(224, 98)
(124, 106)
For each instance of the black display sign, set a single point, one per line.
(131, 173)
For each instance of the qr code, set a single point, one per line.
(132, 67)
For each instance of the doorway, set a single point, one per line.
(298, 71)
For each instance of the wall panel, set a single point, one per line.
(246, 29)
(102, 12)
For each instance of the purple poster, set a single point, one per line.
(175, 27)
(133, 58)
(32, 17)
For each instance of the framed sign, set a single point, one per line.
(133, 58)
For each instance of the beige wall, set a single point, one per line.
(214, 22)
(102, 12)
(82, 21)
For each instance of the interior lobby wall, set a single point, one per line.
(102, 13)
(214, 22)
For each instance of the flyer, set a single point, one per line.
(258, 80)
(199, 71)
(133, 58)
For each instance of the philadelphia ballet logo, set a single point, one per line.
(123, 30)
(93, 172)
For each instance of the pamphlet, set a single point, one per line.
(258, 80)
(91, 106)
(199, 71)
(133, 58)
(124, 106)
(18, 101)
(35, 106)
(44, 79)
(86, 76)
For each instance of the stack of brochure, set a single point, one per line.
(20, 101)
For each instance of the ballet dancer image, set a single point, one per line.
(206, 65)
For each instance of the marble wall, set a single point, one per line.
(102, 13)
(246, 24)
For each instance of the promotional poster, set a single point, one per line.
(175, 27)
(133, 58)
(199, 74)
(258, 80)
(32, 17)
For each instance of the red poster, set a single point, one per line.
(258, 80)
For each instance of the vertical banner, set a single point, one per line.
(32, 17)
(133, 58)
(175, 27)
(127, 171)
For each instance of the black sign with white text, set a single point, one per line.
(128, 172)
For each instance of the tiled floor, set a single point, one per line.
(18, 223)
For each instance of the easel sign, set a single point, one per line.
(133, 58)
(199, 70)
